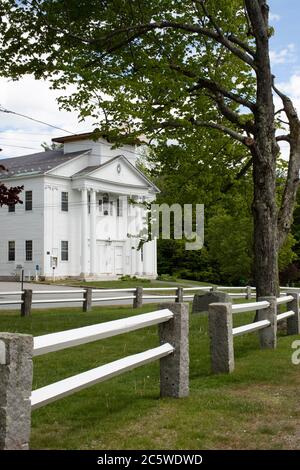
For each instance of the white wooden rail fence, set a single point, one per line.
(91, 296)
(222, 333)
(17, 400)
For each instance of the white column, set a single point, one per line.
(84, 222)
(139, 264)
(93, 232)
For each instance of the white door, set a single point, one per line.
(118, 259)
(105, 254)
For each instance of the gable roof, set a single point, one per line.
(90, 170)
(35, 164)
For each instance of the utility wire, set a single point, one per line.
(4, 110)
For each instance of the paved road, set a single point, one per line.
(16, 286)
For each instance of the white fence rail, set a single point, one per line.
(66, 387)
(75, 337)
(89, 296)
(17, 400)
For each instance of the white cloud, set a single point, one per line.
(33, 98)
(292, 89)
(274, 17)
(287, 55)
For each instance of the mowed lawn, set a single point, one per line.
(256, 407)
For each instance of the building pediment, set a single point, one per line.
(117, 172)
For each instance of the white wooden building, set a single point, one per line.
(77, 219)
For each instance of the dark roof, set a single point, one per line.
(35, 164)
(87, 170)
(74, 137)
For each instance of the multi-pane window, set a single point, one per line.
(65, 251)
(28, 200)
(11, 208)
(105, 205)
(89, 203)
(11, 251)
(28, 250)
(64, 201)
(119, 207)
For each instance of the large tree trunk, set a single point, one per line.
(264, 153)
(265, 229)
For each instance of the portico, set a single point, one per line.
(110, 225)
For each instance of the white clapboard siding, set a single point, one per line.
(284, 299)
(250, 306)
(69, 338)
(259, 325)
(63, 388)
(283, 316)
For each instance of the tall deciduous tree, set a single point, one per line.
(169, 69)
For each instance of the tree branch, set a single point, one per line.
(213, 86)
(283, 137)
(248, 141)
(231, 36)
(231, 115)
(141, 29)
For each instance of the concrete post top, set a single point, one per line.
(296, 295)
(221, 305)
(13, 336)
(175, 307)
(12, 344)
(267, 297)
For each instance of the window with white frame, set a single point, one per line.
(64, 201)
(28, 200)
(106, 205)
(119, 207)
(28, 250)
(64, 250)
(11, 250)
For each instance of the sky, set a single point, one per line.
(19, 136)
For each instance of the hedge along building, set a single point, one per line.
(76, 219)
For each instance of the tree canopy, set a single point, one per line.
(161, 70)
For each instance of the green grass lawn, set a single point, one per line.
(126, 283)
(257, 406)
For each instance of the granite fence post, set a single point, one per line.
(248, 292)
(268, 335)
(87, 299)
(138, 300)
(174, 369)
(179, 293)
(26, 305)
(293, 323)
(15, 390)
(221, 339)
